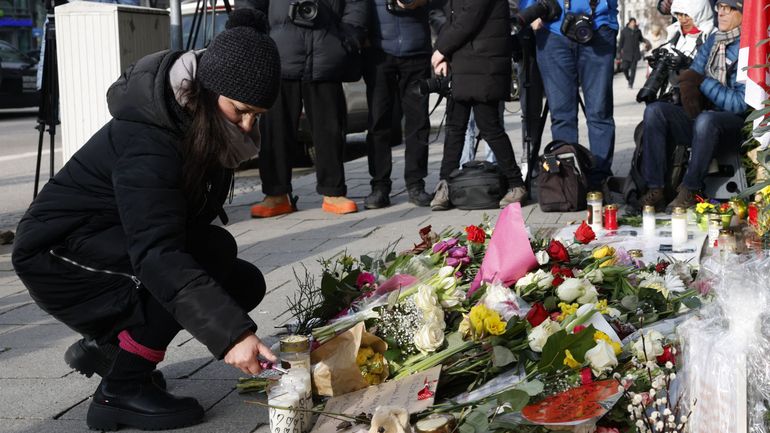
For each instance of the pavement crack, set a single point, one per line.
(276, 288)
(185, 342)
(187, 376)
(16, 307)
(217, 402)
(60, 414)
(262, 424)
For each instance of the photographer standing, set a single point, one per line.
(476, 47)
(628, 48)
(579, 50)
(398, 59)
(319, 42)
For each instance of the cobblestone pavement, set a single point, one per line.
(39, 393)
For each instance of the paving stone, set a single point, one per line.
(29, 314)
(42, 426)
(17, 297)
(33, 362)
(42, 399)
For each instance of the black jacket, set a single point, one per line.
(628, 45)
(476, 39)
(330, 51)
(407, 33)
(117, 205)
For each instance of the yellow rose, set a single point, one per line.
(494, 325)
(569, 360)
(609, 262)
(603, 252)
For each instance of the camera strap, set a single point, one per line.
(592, 3)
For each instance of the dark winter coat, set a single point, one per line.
(112, 225)
(628, 45)
(476, 39)
(404, 34)
(330, 51)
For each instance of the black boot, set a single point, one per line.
(377, 199)
(127, 397)
(87, 357)
(418, 196)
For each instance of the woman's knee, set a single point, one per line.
(246, 285)
(214, 248)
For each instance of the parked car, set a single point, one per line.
(355, 93)
(18, 78)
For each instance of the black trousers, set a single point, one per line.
(487, 117)
(215, 249)
(326, 113)
(390, 79)
(629, 70)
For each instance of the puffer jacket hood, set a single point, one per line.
(141, 93)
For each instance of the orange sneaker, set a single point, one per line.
(339, 205)
(274, 205)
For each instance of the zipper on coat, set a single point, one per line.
(133, 278)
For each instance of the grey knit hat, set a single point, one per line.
(242, 63)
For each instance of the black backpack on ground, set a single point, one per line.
(562, 179)
(635, 186)
(479, 185)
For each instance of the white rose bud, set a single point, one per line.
(651, 348)
(429, 338)
(542, 257)
(446, 271)
(435, 315)
(596, 276)
(544, 279)
(590, 295)
(539, 334)
(526, 280)
(570, 289)
(452, 298)
(425, 298)
(601, 357)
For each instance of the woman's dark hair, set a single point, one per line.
(204, 141)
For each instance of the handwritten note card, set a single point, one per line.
(404, 393)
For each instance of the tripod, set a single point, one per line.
(48, 112)
(199, 16)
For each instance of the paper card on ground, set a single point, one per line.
(404, 393)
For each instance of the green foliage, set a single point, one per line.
(502, 356)
(516, 398)
(553, 355)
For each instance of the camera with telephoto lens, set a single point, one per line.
(578, 27)
(547, 10)
(393, 7)
(439, 84)
(303, 12)
(662, 61)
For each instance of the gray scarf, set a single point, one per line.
(716, 67)
(240, 147)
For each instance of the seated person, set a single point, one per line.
(711, 82)
(694, 23)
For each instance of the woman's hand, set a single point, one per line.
(437, 58)
(442, 69)
(243, 355)
(537, 24)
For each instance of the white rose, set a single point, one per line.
(526, 280)
(544, 279)
(596, 276)
(539, 334)
(601, 357)
(425, 298)
(435, 315)
(452, 298)
(446, 271)
(447, 283)
(504, 301)
(429, 338)
(650, 349)
(589, 296)
(570, 289)
(542, 257)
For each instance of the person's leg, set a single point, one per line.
(711, 129)
(557, 58)
(632, 73)
(594, 65)
(625, 66)
(665, 125)
(381, 86)
(469, 147)
(411, 71)
(458, 113)
(326, 113)
(488, 120)
(490, 155)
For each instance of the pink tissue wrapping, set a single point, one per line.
(509, 255)
(398, 281)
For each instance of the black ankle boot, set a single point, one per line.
(127, 396)
(140, 405)
(87, 357)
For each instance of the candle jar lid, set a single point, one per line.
(679, 210)
(648, 208)
(295, 343)
(725, 232)
(438, 423)
(594, 196)
(611, 207)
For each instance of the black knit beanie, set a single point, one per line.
(242, 63)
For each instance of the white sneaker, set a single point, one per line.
(441, 197)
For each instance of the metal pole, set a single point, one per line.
(176, 25)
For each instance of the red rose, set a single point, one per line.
(578, 329)
(558, 271)
(476, 234)
(557, 251)
(661, 267)
(555, 316)
(584, 234)
(557, 280)
(537, 314)
(585, 376)
(666, 356)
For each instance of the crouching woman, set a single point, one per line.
(119, 246)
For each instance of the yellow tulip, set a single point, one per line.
(603, 252)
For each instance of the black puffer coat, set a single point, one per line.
(330, 51)
(114, 222)
(477, 41)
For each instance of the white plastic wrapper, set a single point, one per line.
(726, 348)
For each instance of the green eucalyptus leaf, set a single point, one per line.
(692, 302)
(502, 356)
(532, 388)
(516, 398)
(551, 303)
(630, 302)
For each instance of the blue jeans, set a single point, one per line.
(666, 125)
(469, 149)
(565, 65)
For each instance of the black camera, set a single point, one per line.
(578, 26)
(439, 84)
(663, 62)
(303, 12)
(393, 7)
(547, 10)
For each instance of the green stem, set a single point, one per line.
(435, 359)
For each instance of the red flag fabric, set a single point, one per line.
(755, 28)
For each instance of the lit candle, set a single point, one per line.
(648, 221)
(678, 227)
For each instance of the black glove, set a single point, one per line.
(693, 101)
(678, 61)
(351, 38)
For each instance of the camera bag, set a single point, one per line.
(479, 185)
(562, 180)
